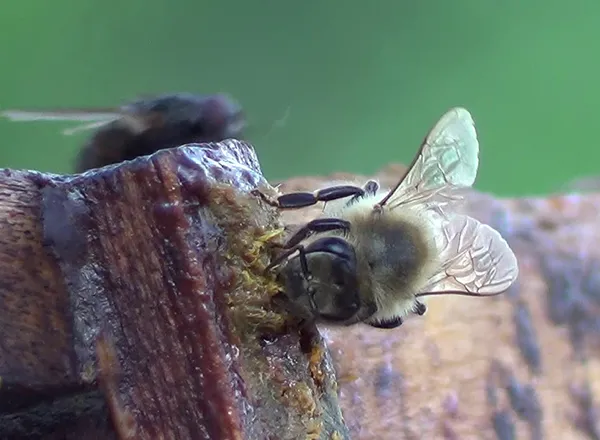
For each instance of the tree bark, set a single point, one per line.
(135, 305)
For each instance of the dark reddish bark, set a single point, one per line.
(141, 285)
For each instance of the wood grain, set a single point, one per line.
(135, 305)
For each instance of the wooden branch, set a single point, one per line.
(141, 285)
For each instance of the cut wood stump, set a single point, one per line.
(135, 305)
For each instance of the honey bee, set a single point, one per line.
(145, 126)
(373, 254)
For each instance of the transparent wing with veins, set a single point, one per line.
(475, 260)
(445, 164)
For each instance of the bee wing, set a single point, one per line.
(90, 115)
(476, 259)
(447, 161)
(94, 117)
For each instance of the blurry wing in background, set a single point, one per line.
(95, 118)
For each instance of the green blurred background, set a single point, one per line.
(360, 83)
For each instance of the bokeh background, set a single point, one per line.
(329, 86)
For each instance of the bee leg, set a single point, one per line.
(307, 276)
(420, 308)
(316, 226)
(284, 255)
(303, 265)
(391, 323)
(370, 189)
(303, 199)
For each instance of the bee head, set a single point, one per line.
(321, 280)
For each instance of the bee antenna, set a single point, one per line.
(458, 292)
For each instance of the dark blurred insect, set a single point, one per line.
(145, 126)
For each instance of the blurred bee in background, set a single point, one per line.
(145, 126)
(373, 254)
(585, 184)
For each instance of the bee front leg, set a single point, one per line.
(284, 255)
(303, 199)
(316, 226)
(303, 265)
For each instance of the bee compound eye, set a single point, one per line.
(334, 246)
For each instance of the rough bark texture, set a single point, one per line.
(523, 365)
(141, 285)
(40, 392)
